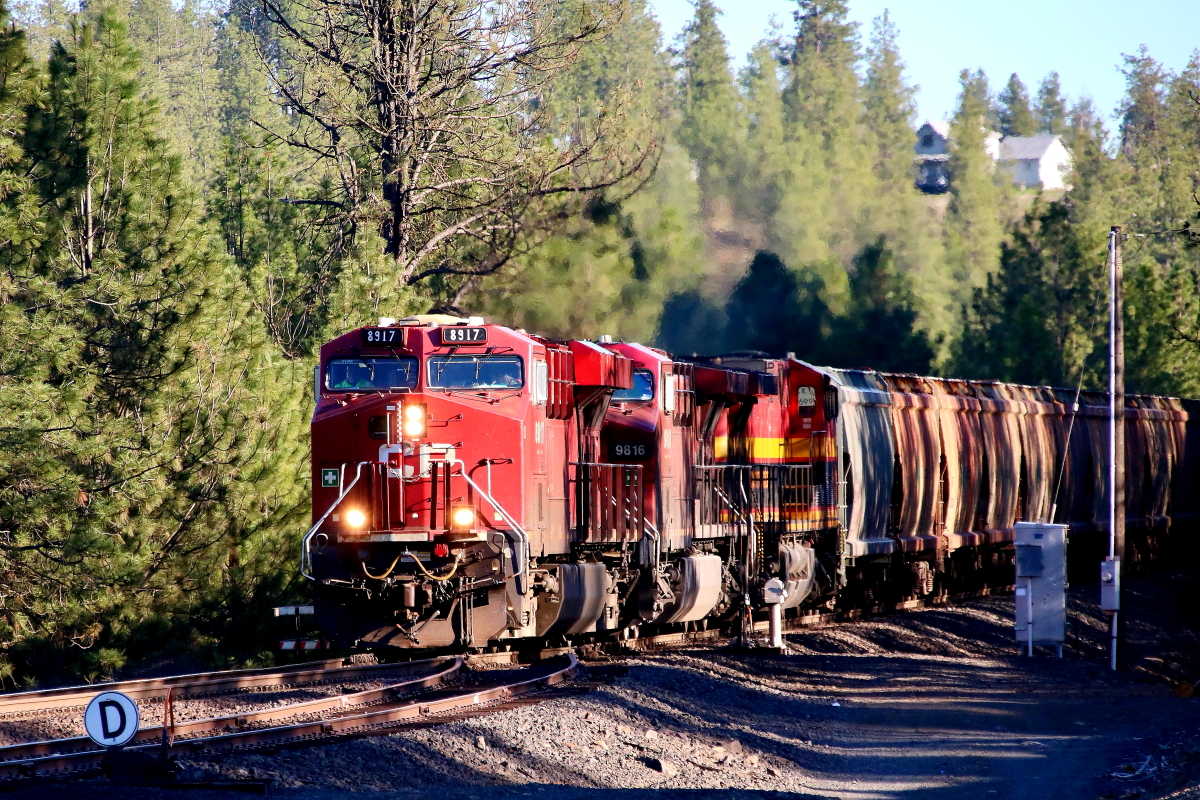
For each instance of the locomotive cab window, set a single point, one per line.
(641, 391)
(476, 372)
(370, 374)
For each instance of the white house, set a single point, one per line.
(1041, 162)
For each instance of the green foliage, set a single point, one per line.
(1051, 108)
(777, 310)
(711, 127)
(1036, 320)
(974, 224)
(880, 328)
(774, 310)
(888, 108)
(1016, 115)
(137, 393)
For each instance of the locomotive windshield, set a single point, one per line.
(642, 389)
(476, 372)
(370, 374)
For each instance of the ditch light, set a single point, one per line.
(462, 518)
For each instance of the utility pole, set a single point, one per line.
(1111, 570)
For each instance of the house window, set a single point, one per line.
(927, 140)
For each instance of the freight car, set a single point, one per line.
(477, 486)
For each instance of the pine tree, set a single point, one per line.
(822, 92)
(1016, 117)
(888, 103)
(770, 156)
(1143, 108)
(974, 221)
(711, 127)
(18, 209)
(43, 22)
(151, 393)
(1038, 319)
(1051, 109)
(177, 68)
(976, 91)
(879, 329)
(618, 259)
(776, 310)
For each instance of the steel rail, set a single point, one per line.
(326, 728)
(18, 752)
(194, 684)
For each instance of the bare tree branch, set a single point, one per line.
(432, 115)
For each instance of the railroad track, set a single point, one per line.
(43, 701)
(423, 699)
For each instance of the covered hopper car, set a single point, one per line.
(478, 486)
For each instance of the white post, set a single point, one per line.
(774, 594)
(1116, 418)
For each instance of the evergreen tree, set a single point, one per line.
(617, 260)
(1143, 108)
(1051, 109)
(691, 324)
(770, 155)
(1016, 116)
(888, 103)
(879, 329)
(975, 91)
(18, 209)
(43, 22)
(822, 92)
(776, 310)
(973, 223)
(1038, 319)
(711, 127)
(136, 389)
(177, 68)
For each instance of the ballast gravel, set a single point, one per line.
(926, 704)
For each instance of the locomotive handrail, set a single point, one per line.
(305, 558)
(523, 568)
(585, 505)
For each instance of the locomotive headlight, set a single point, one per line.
(414, 420)
(462, 518)
(356, 518)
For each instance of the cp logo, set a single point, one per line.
(111, 719)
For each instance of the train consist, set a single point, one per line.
(477, 486)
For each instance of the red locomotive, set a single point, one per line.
(476, 486)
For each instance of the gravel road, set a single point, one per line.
(933, 704)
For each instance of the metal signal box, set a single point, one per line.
(1110, 584)
(1041, 581)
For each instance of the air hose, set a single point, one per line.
(420, 566)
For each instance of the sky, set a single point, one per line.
(1082, 40)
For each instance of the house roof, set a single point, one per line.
(1019, 148)
(940, 126)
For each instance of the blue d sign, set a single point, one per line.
(111, 719)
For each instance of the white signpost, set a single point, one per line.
(111, 719)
